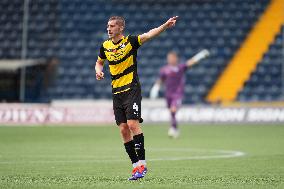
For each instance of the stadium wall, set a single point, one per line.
(100, 113)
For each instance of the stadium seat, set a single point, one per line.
(73, 32)
(265, 82)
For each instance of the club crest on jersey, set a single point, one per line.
(122, 45)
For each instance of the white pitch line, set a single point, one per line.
(221, 155)
(233, 154)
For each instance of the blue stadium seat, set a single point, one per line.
(73, 32)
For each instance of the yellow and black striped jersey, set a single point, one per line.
(122, 62)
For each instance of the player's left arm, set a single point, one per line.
(156, 31)
(198, 57)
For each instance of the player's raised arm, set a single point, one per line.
(99, 69)
(156, 31)
(154, 92)
(196, 58)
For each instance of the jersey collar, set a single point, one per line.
(118, 41)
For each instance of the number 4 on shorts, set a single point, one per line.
(135, 107)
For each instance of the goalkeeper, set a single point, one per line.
(172, 75)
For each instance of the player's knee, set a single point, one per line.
(133, 125)
(124, 129)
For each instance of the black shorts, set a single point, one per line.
(127, 106)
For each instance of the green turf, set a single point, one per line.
(94, 157)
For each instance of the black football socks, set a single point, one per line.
(139, 146)
(130, 149)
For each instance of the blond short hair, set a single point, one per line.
(119, 20)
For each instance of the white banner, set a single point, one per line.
(30, 114)
(101, 112)
(218, 115)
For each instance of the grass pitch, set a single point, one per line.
(94, 157)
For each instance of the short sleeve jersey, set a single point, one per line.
(122, 62)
